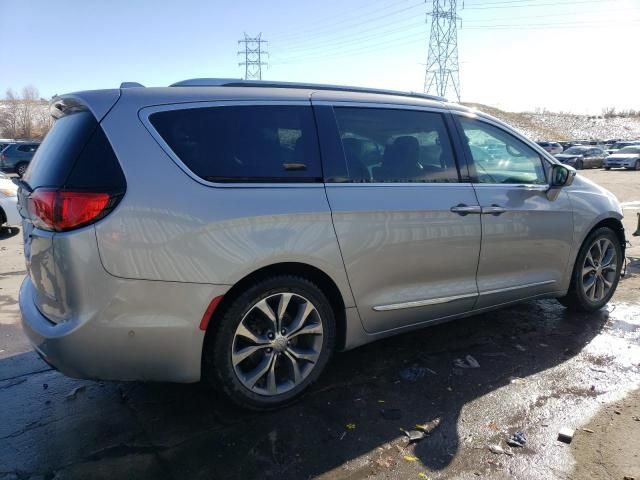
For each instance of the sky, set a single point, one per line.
(576, 56)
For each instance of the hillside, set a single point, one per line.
(565, 126)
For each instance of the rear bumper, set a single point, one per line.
(148, 343)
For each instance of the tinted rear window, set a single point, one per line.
(54, 159)
(76, 154)
(244, 143)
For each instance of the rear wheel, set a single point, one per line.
(607, 168)
(596, 272)
(637, 165)
(271, 343)
(21, 168)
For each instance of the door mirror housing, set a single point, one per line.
(561, 176)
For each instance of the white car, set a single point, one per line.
(8, 202)
(552, 147)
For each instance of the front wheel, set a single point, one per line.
(607, 168)
(579, 165)
(637, 165)
(596, 272)
(271, 342)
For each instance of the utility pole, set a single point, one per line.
(252, 57)
(442, 74)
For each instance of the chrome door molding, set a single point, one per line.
(436, 301)
(517, 287)
(422, 303)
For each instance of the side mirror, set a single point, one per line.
(562, 176)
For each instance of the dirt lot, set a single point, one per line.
(541, 369)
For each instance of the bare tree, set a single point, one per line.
(9, 115)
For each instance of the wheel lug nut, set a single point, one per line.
(283, 331)
(269, 350)
(270, 336)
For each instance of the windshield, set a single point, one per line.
(634, 149)
(576, 150)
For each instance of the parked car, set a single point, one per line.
(15, 158)
(581, 157)
(552, 147)
(8, 202)
(627, 157)
(4, 145)
(304, 219)
(621, 145)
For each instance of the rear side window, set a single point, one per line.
(244, 143)
(76, 154)
(28, 148)
(386, 145)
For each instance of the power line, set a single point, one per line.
(252, 56)
(442, 73)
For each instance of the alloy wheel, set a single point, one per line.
(277, 343)
(599, 270)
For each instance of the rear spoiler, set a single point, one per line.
(98, 102)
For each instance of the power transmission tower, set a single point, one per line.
(253, 53)
(442, 73)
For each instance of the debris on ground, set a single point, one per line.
(429, 426)
(520, 347)
(565, 435)
(74, 393)
(413, 373)
(468, 362)
(45, 386)
(410, 458)
(423, 475)
(588, 430)
(517, 380)
(414, 435)
(518, 439)
(391, 413)
(498, 450)
(350, 426)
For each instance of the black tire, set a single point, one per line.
(21, 168)
(607, 168)
(579, 165)
(218, 369)
(637, 165)
(576, 299)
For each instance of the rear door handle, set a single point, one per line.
(493, 210)
(463, 209)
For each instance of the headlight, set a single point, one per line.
(8, 192)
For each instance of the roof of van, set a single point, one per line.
(216, 89)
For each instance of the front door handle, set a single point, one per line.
(463, 209)
(493, 210)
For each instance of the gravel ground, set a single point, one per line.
(541, 369)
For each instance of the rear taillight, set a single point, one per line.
(61, 210)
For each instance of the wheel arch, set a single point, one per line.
(314, 274)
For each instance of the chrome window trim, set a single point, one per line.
(399, 184)
(145, 112)
(440, 300)
(385, 105)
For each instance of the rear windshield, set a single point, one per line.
(244, 143)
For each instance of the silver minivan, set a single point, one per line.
(242, 232)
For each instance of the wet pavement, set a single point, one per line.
(532, 368)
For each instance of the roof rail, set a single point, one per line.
(232, 82)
